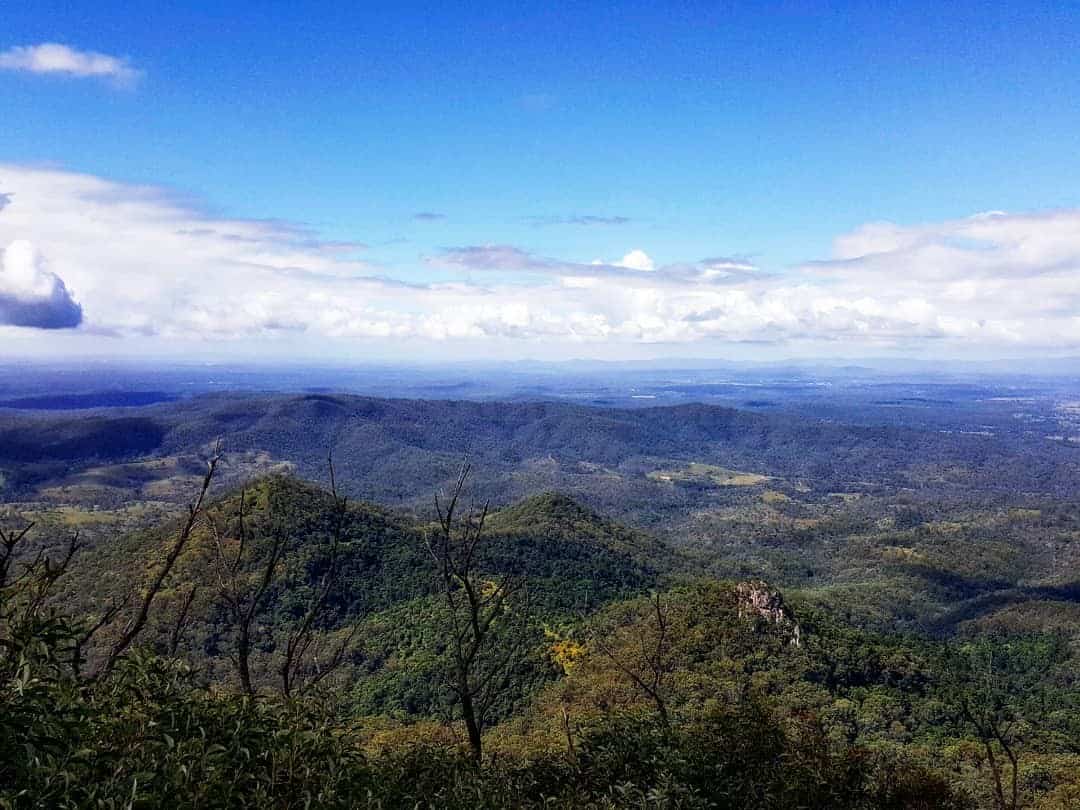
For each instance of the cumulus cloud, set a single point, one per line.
(30, 295)
(635, 267)
(54, 58)
(637, 259)
(993, 281)
(993, 277)
(147, 263)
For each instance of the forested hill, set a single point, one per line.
(395, 451)
(913, 528)
(305, 650)
(575, 561)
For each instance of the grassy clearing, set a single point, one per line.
(771, 496)
(705, 474)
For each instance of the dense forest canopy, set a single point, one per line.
(688, 607)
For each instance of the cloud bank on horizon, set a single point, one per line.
(138, 263)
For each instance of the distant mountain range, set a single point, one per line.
(395, 451)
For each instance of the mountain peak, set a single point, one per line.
(548, 510)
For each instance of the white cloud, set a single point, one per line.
(52, 57)
(144, 262)
(995, 277)
(637, 260)
(150, 267)
(30, 295)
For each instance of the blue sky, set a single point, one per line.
(572, 133)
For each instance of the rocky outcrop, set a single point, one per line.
(756, 598)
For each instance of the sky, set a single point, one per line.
(506, 181)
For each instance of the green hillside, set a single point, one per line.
(574, 559)
(916, 645)
(625, 676)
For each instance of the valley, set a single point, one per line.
(885, 548)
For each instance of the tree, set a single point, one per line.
(25, 613)
(302, 666)
(242, 598)
(486, 631)
(988, 683)
(645, 659)
(137, 622)
(245, 596)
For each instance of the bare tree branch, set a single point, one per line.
(9, 541)
(138, 622)
(477, 612)
(654, 664)
(181, 620)
(106, 618)
(302, 637)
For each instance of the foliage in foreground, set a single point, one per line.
(147, 734)
(694, 698)
(149, 737)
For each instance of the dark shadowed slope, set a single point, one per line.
(395, 451)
